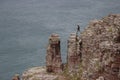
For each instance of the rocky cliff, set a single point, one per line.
(94, 54)
(101, 49)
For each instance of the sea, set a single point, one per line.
(25, 27)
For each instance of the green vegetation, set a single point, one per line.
(75, 75)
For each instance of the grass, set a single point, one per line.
(74, 75)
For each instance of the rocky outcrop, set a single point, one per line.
(53, 57)
(38, 73)
(16, 77)
(73, 53)
(94, 55)
(101, 49)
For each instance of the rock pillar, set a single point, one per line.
(73, 55)
(16, 77)
(53, 58)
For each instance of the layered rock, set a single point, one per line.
(16, 77)
(74, 53)
(53, 57)
(97, 49)
(101, 49)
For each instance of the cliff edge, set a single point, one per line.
(95, 53)
(101, 49)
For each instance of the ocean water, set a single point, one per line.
(25, 26)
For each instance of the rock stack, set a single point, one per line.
(16, 77)
(73, 55)
(53, 57)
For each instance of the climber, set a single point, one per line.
(78, 28)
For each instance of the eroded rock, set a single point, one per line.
(101, 41)
(16, 77)
(53, 57)
(74, 53)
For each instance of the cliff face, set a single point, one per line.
(101, 49)
(94, 55)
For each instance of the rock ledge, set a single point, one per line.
(38, 73)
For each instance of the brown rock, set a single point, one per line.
(53, 57)
(16, 77)
(101, 41)
(73, 55)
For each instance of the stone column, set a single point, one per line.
(73, 55)
(53, 58)
(16, 77)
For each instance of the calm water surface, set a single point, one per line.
(25, 26)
